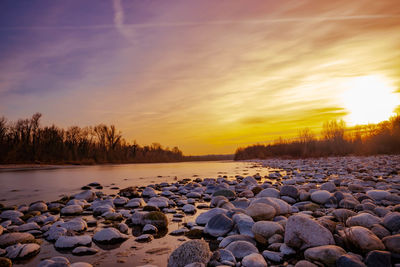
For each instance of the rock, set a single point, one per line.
(81, 251)
(101, 209)
(263, 230)
(320, 196)
(71, 210)
(87, 195)
(303, 232)
(243, 223)
(4, 262)
(348, 260)
(378, 194)
(304, 263)
(232, 238)
(364, 219)
(38, 206)
(190, 252)
(378, 258)
(149, 192)
(254, 260)
(327, 254)
(362, 239)
(109, 236)
(129, 192)
(28, 227)
(14, 238)
(203, 218)
(328, 186)
(195, 264)
(77, 225)
(260, 211)
(241, 249)
(144, 238)
(189, 208)
(193, 195)
(392, 221)
(273, 255)
(219, 225)
(156, 218)
(70, 242)
(10, 214)
(55, 262)
(392, 243)
(123, 228)
(229, 194)
(226, 255)
(343, 214)
(289, 190)
(54, 233)
(148, 228)
(159, 202)
(112, 216)
(1, 230)
(380, 231)
(280, 206)
(22, 251)
(135, 203)
(81, 264)
(180, 231)
(269, 192)
(120, 201)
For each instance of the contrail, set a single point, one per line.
(119, 17)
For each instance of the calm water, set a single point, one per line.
(19, 187)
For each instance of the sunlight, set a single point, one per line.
(369, 99)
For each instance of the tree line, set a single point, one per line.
(26, 141)
(335, 140)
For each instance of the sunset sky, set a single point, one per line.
(206, 76)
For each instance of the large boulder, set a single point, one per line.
(203, 218)
(392, 243)
(303, 232)
(190, 252)
(364, 219)
(361, 238)
(241, 249)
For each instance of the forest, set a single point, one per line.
(335, 139)
(26, 141)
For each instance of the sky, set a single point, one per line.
(206, 76)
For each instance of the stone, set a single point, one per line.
(320, 196)
(226, 255)
(112, 216)
(380, 231)
(14, 238)
(189, 208)
(254, 260)
(229, 194)
(327, 254)
(99, 210)
(71, 210)
(243, 224)
(392, 221)
(260, 211)
(273, 255)
(144, 238)
(38, 206)
(349, 260)
(87, 195)
(304, 263)
(343, 214)
(263, 230)
(241, 249)
(362, 239)
(289, 190)
(269, 192)
(4, 262)
(28, 227)
(149, 192)
(54, 233)
(378, 194)
(378, 258)
(22, 251)
(135, 203)
(55, 262)
(81, 251)
(156, 218)
(109, 236)
(232, 238)
(71, 242)
(364, 219)
(280, 206)
(190, 252)
(328, 186)
(303, 232)
(159, 202)
(76, 224)
(10, 214)
(392, 243)
(203, 218)
(148, 228)
(219, 225)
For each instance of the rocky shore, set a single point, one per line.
(339, 211)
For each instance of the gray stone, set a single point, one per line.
(219, 225)
(320, 196)
(392, 243)
(190, 252)
(241, 249)
(260, 211)
(203, 218)
(392, 221)
(327, 254)
(378, 258)
(14, 238)
(364, 219)
(254, 260)
(263, 230)
(109, 236)
(363, 239)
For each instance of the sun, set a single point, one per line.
(369, 99)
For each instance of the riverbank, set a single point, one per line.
(326, 212)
